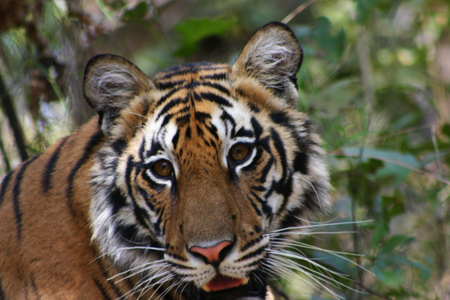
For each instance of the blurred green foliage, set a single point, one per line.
(375, 80)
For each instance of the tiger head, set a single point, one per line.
(203, 166)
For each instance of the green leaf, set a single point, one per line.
(389, 274)
(136, 13)
(424, 272)
(392, 206)
(379, 233)
(333, 44)
(396, 164)
(364, 8)
(394, 242)
(195, 30)
(446, 129)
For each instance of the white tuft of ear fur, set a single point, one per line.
(272, 56)
(110, 82)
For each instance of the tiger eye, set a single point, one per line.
(162, 168)
(239, 152)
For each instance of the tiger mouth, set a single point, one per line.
(221, 282)
(227, 288)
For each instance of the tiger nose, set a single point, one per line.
(211, 253)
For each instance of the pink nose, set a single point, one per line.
(211, 253)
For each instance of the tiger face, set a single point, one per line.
(201, 166)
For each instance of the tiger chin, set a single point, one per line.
(178, 189)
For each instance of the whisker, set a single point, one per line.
(136, 114)
(142, 267)
(162, 266)
(278, 254)
(334, 253)
(317, 226)
(320, 281)
(127, 248)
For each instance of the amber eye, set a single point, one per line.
(239, 151)
(162, 168)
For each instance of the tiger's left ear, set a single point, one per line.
(273, 56)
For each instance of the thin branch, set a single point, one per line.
(5, 156)
(297, 11)
(10, 112)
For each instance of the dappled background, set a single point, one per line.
(375, 79)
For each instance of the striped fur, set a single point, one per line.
(93, 206)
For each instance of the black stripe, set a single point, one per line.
(183, 120)
(216, 76)
(281, 118)
(258, 188)
(252, 254)
(2, 293)
(279, 146)
(5, 186)
(106, 276)
(286, 191)
(311, 194)
(155, 147)
(301, 162)
(215, 99)
(119, 145)
(253, 107)
(201, 116)
(216, 86)
(187, 134)
(255, 207)
(175, 139)
(117, 200)
(16, 194)
(102, 289)
(149, 199)
(138, 211)
(168, 106)
(266, 208)
(226, 117)
(189, 69)
(213, 130)
(34, 287)
(199, 131)
(169, 84)
(266, 170)
(95, 139)
(50, 167)
(291, 218)
(166, 96)
(251, 243)
(141, 150)
(166, 120)
(257, 128)
(242, 132)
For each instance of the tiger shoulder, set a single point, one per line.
(178, 189)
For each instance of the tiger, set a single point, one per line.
(179, 188)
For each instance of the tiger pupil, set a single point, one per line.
(239, 152)
(163, 168)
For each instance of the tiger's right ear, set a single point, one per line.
(273, 57)
(110, 83)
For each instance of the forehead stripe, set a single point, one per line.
(215, 99)
(216, 76)
(191, 69)
(168, 106)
